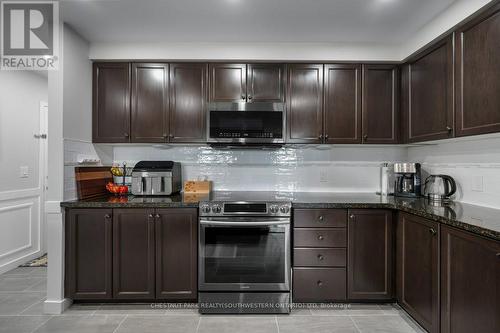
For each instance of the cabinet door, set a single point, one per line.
(380, 104)
(111, 102)
(133, 254)
(176, 254)
(370, 255)
(429, 105)
(418, 269)
(88, 254)
(228, 82)
(478, 75)
(188, 95)
(266, 83)
(342, 104)
(149, 102)
(470, 283)
(305, 103)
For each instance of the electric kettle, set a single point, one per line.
(439, 188)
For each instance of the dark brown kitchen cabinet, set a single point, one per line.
(370, 255)
(89, 254)
(188, 98)
(111, 102)
(305, 103)
(417, 275)
(428, 93)
(247, 82)
(380, 104)
(133, 254)
(266, 83)
(477, 74)
(150, 103)
(342, 104)
(228, 82)
(176, 254)
(470, 283)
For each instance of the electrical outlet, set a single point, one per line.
(323, 176)
(23, 172)
(477, 184)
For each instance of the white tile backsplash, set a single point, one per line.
(346, 168)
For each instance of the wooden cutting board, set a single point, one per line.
(91, 181)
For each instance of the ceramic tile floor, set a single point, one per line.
(22, 292)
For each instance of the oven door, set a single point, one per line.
(246, 123)
(244, 254)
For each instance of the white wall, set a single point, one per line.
(21, 228)
(302, 168)
(474, 163)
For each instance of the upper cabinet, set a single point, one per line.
(477, 73)
(380, 104)
(427, 83)
(305, 103)
(246, 83)
(188, 98)
(111, 102)
(156, 103)
(342, 104)
(150, 103)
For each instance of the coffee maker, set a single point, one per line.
(408, 181)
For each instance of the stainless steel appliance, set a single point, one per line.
(156, 178)
(244, 257)
(246, 123)
(439, 188)
(408, 181)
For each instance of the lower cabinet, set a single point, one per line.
(417, 272)
(131, 254)
(89, 243)
(370, 255)
(470, 283)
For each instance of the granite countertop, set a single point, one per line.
(479, 220)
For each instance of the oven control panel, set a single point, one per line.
(241, 208)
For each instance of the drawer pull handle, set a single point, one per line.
(107, 216)
(319, 283)
(320, 237)
(157, 216)
(498, 255)
(320, 218)
(320, 257)
(433, 231)
(352, 216)
(151, 216)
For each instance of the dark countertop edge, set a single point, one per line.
(480, 231)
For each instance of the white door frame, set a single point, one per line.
(43, 171)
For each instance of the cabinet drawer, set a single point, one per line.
(319, 237)
(321, 257)
(319, 284)
(320, 218)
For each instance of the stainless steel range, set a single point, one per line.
(244, 257)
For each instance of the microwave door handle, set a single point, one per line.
(245, 223)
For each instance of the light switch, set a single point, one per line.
(477, 184)
(23, 172)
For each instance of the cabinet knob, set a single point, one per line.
(250, 97)
(319, 283)
(498, 255)
(320, 257)
(157, 216)
(365, 137)
(171, 136)
(165, 136)
(320, 137)
(126, 135)
(107, 216)
(352, 216)
(321, 218)
(243, 97)
(449, 129)
(326, 136)
(433, 231)
(150, 216)
(320, 237)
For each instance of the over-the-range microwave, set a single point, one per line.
(246, 123)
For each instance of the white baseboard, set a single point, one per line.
(15, 263)
(56, 307)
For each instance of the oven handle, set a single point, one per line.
(245, 223)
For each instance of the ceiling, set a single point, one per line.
(374, 21)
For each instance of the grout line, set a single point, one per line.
(32, 305)
(277, 324)
(198, 326)
(36, 328)
(120, 324)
